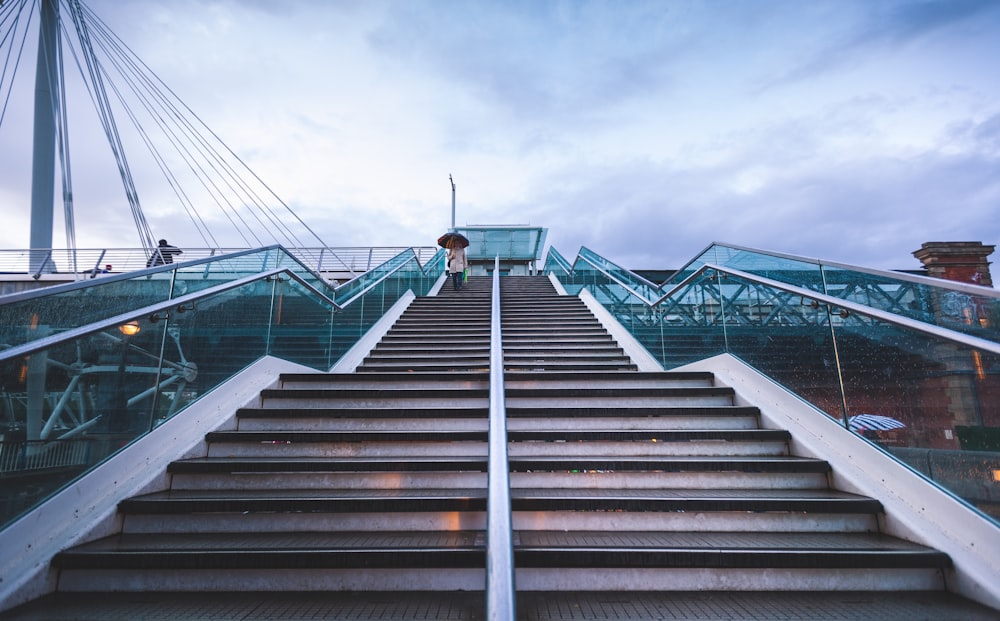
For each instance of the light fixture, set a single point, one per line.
(129, 329)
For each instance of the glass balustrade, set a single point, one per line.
(928, 400)
(965, 308)
(636, 283)
(70, 401)
(44, 312)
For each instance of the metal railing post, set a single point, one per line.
(500, 592)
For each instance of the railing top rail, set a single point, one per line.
(89, 262)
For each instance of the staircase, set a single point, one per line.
(544, 331)
(447, 332)
(635, 495)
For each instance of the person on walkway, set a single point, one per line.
(163, 254)
(456, 265)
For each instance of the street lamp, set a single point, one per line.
(452, 202)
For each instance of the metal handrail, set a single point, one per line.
(353, 260)
(640, 279)
(618, 281)
(500, 591)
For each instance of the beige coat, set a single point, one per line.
(456, 260)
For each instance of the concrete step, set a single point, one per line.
(277, 561)
(415, 355)
(249, 509)
(613, 380)
(604, 353)
(409, 442)
(426, 366)
(242, 501)
(678, 418)
(330, 481)
(556, 560)
(345, 419)
(561, 365)
(613, 401)
(420, 398)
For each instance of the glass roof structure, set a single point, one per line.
(511, 242)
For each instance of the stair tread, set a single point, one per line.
(716, 541)
(363, 413)
(399, 540)
(438, 435)
(517, 493)
(382, 463)
(300, 542)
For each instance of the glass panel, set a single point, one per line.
(688, 325)
(555, 263)
(301, 326)
(783, 335)
(79, 304)
(963, 310)
(640, 285)
(38, 317)
(356, 286)
(930, 403)
(68, 407)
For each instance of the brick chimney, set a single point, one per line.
(958, 261)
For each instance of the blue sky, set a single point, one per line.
(849, 130)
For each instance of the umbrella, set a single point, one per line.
(873, 422)
(450, 240)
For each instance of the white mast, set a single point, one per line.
(43, 164)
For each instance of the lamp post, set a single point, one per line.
(452, 202)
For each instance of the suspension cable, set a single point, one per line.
(110, 127)
(276, 222)
(8, 12)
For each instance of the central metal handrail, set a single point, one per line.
(500, 592)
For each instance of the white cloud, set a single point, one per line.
(840, 129)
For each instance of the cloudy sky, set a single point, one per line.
(849, 130)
